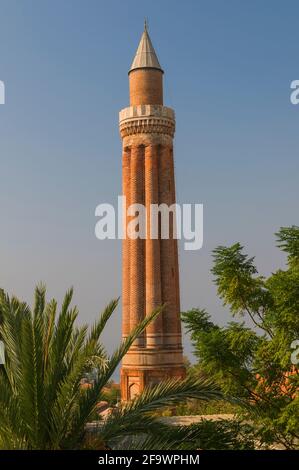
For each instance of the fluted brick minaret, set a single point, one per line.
(150, 266)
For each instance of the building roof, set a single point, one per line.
(145, 55)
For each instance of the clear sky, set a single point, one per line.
(228, 68)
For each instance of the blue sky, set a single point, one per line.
(228, 68)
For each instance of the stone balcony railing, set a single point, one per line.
(147, 119)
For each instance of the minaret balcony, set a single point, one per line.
(147, 119)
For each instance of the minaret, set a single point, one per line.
(150, 266)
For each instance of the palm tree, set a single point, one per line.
(42, 405)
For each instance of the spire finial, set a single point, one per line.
(145, 55)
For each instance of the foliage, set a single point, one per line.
(224, 435)
(196, 407)
(254, 363)
(205, 435)
(42, 405)
(138, 418)
(112, 393)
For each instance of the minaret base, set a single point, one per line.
(133, 381)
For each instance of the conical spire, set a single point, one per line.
(145, 55)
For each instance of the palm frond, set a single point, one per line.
(99, 326)
(160, 437)
(89, 400)
(171, 392)
(135, 413)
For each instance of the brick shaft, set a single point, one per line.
(137, 247)
(126, 245)
(154, 332)
(146, 87)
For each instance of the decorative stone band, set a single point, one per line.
(143, 358)
(144, 119)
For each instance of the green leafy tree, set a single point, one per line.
(254, 362)
(42, 405)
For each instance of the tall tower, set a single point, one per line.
(150, 266)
